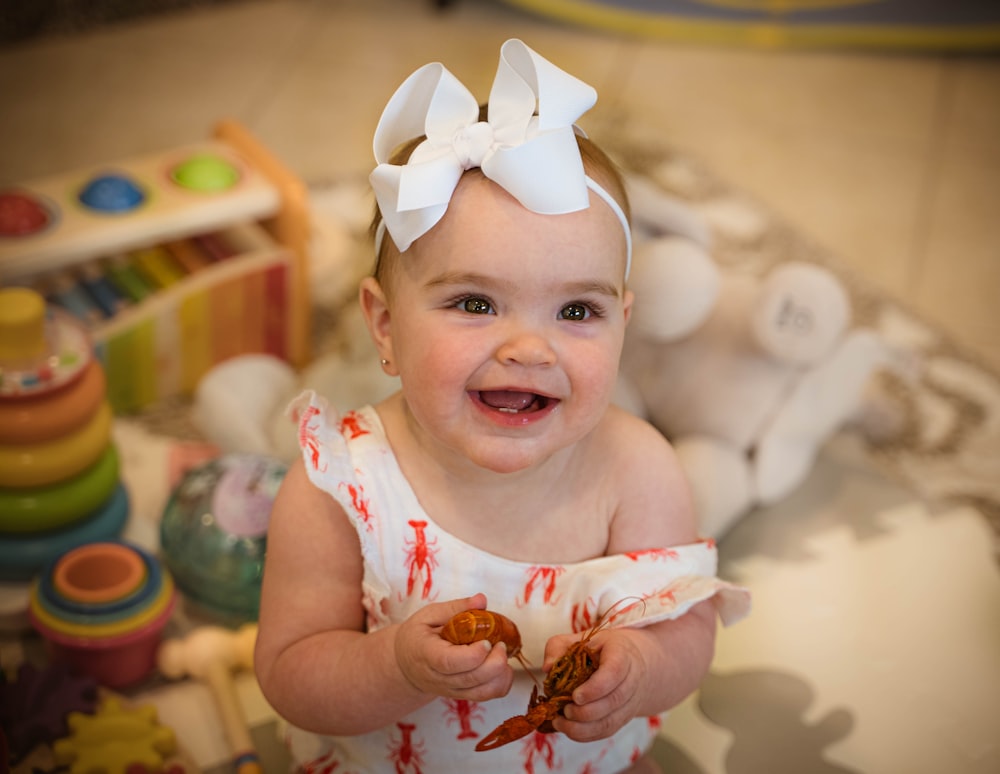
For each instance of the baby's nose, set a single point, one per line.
(527, 347)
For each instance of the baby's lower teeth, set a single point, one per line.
(508, 410)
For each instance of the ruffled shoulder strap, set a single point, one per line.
(675, 579)
(732, 603)
(319, 438)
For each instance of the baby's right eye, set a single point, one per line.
(475, 305)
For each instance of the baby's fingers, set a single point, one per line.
(612, 677)
(458, 659)
(596, 719)
(602, 705)
(590, 730)
(493, 677)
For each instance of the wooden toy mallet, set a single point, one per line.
(211, 654)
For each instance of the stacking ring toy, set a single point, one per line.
(41, 348)
(138, 620)
(23, 556)
(115, 662)
(54, 414)
(117, 653)
(49, 507)
(79, 587)
(99, 572)
(142, 595)
(67, 612)
(51, 461)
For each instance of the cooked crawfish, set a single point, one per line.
(474, 625)
(571, 670)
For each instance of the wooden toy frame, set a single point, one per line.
(163, 343)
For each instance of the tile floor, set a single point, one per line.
(891, 161)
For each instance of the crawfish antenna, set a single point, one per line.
(607, 617)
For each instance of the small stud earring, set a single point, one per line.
(384, 362)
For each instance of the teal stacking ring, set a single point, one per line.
(22, 557)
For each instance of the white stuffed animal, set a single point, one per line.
(746, 376)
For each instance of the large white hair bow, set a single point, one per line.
(527, 145)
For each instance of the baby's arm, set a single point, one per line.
(643, 671)
(315, 663)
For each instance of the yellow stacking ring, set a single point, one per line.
(44, 463)
(54, 414)
(112, 629)
(43, 508)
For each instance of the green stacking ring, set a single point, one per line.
(57, 505)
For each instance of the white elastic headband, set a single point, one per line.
(527, 145)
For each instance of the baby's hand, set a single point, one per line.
(431, 664)
(610, 698)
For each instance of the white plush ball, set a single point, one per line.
(676, 284)
(801, 312)
(234, 400)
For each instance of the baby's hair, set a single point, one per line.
(597, 164)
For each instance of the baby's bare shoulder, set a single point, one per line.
(631, 438)
(648, 480)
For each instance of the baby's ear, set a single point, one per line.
(627, 301)
(375, 308)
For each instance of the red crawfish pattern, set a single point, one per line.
(463, 712)
(407, 755)
(538, 749)
(328, 764)
(542, 578)
(657, 554)
(352, 425)
(359, 502)
(584, 616)
(421, 559)
(307, 437)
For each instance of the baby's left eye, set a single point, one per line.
(475, 305)
(574, 312)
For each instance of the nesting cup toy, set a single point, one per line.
(102, 608)
(59, 470)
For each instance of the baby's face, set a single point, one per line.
(507, 327)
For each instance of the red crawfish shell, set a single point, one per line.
(571, 670)
(474, 625)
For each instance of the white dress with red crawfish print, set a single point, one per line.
(409, 562)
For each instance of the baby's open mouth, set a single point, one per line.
(513, 401)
